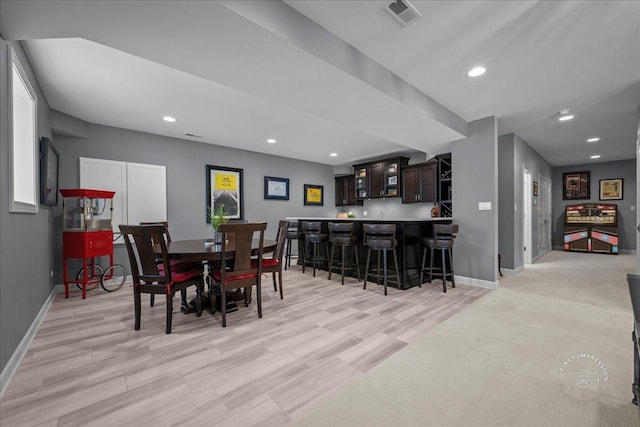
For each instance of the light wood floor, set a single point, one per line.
(87, 366)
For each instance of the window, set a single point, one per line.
(23, 124)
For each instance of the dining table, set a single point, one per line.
(207, 251)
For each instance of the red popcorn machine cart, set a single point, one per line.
(87, 234)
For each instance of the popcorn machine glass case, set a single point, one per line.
(86, 231)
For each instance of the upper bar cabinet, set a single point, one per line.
(346, 191)
(379, 179)
(419, 182)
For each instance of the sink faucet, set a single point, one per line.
(381, 215)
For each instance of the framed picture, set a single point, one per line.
(535, 188)
(313, 194)
(576, 185)
(392, 180)
(611, 189)
(49, 160)
(224, 188)
(276, 188)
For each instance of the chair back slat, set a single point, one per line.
(634, 291)
(281, 239)
(382, 236)
(140, 241)
(445, 231)
(341, 233)
(237, 238)
(165, 224)
(312, 231)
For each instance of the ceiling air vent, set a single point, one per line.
(403, 11)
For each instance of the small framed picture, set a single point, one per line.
(224, 190)
(276, 188)
(611, 189)
(393, 180)
(313, 195)
(576, 185)
(535, 188)
(49, 159)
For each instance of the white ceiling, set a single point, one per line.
(237, 73)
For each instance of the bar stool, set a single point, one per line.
(313, 236)
(341, 234)
(382, 239)
(292, 234)
(443, 235)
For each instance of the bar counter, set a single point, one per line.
(409, 232)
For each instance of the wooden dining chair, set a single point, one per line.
(176, 265)
(152, 278)
(237, 268)
(275, 264)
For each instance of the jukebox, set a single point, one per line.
(591, 227)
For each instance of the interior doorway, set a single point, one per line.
(526, 217)
(544, 216)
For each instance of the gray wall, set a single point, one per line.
(515, 155)
(475, 179)
(186, 178)
(26, 245)
(625, 169)
(506, 212)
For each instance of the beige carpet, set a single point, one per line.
(514, 358)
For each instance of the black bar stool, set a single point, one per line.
(292, 234)
(313, 236)
(443, 235)
(341, 234)
(382, 239)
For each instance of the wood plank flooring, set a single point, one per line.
(87, 365)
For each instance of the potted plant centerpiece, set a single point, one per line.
(217, 218)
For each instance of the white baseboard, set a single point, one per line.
(512, 272)
(477, 282)
(12, 365)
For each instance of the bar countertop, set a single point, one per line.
(370, 219)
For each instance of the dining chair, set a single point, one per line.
(633, 281)
(152, 278)
(274, 264)
(175, 264)
(237, 268)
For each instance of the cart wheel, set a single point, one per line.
(97, 269)
(113, 278)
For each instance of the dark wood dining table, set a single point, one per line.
(205, 250)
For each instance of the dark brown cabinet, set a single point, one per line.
(346, 190)
(379, 179)
(420, 183)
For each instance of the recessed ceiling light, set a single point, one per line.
(595, 156)
(271, 141)
(334, 154)
(564, 115)
(477, 71)
(593, 139)
(169, 119)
